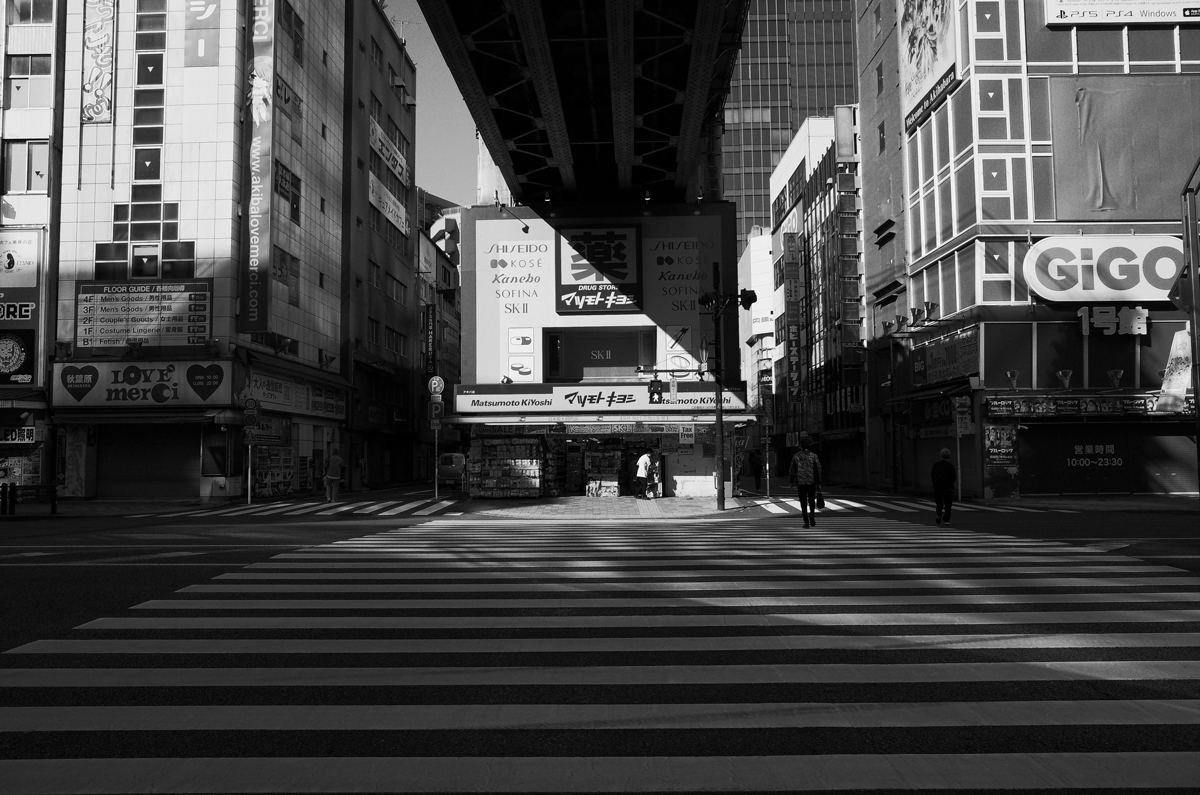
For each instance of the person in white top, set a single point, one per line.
(643, 472)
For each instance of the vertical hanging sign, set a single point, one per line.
(430, 339)
(255, 305)
(96, 83)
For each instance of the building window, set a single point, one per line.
(878, 15)
(31, 12)
(376, 274)
(147, 164)
(372, 331)
(878, 79)
(28, 82)
(397, 290)
(112, 261)
(376, 53)
(293, 27)
(145, 262)
(376, 108)
(882, 138)
(322, 204)
(322, 129)
(391, 339)
(26, 166)
(288, 186)
(392, 81)
(150, 69)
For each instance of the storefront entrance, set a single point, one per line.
(148, 462)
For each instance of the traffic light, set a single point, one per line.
(656, 391)
(746, 298)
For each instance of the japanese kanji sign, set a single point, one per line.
(599, 271)
(1111, 320)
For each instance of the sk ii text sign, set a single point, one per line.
(1097, 268)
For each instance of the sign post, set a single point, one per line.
(436, 387)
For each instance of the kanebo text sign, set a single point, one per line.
(1104, 267)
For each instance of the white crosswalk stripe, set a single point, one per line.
(878, 506)
(373, 508)
(871, 653)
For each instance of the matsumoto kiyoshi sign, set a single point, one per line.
(593, 398)
(1097, 268)
(142, 384)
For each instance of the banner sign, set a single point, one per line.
(107, 314)
(599, 271)
(202, 33)
(383, 200)
(142, 384)
(20, 299)
(1000, 446)
(592, 398)
(277, 393)
(1121, 12)
(270, 432)
(255, 308)
(928, 71)
(1178, 375)
(390, 153)
(429, 339)
(99, 43)
(945, 359)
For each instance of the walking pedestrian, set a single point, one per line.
(643, 472)
(755, 467)
(333, 475)
(805, 475)
(943, 475)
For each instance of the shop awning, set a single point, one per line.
(599, 420)
(134, 417)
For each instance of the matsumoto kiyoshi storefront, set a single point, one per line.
(566, 321)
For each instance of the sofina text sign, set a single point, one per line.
(142, 384)
(1097, 268)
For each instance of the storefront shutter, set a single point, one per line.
(152, 462)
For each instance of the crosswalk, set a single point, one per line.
(717, 655)
(911, 505)
(314, 509)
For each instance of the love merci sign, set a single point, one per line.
(142, 384)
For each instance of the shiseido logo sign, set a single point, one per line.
(1104, 267)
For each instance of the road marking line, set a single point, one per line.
(432, 508)
(378, 506)
(889, 506)
(346, 507)
(853, 504)
(281, 508)
(309, 509)
(402, 508)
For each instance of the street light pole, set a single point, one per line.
(718, 309)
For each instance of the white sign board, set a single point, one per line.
(593, 398)
(1121, 12)
(1102, 268)
(928, 45)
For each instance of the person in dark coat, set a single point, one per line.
(943, 475)
(805, 474)
(754, 466)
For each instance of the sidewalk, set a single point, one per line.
(1141, 503)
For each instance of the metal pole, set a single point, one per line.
(718, 308)
(250, 475)
(435, 461)
(1191, 244)
(767, 461)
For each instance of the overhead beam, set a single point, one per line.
(450, 42)
(619, 19)
(706, 37)
(536, 43)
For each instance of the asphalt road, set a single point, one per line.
(874, 652)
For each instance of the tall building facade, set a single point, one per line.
(234, 188)
(1022, 318)
(30, 126)
(797, 61)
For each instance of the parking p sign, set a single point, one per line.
(436, 385)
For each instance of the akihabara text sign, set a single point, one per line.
(1101, 268)
(928, 70)
(593, 398)
(142, 384)
(599, 271)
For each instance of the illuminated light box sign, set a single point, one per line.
(1121, 12)
(590, 398)
(599, 271)
(1095, 268)
(108, 314)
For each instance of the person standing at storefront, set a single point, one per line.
(643, 472)
(805, 475)
(943, 475)
(333, 475)
(754, 468)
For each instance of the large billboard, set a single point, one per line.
(1104, 268)
(20, 307)
(1121, 12)
(255, 299)
(647, 274)
(142, 384)
(161, 314)
(1120, 142)
(928, 68)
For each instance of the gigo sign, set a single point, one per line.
(1104, 267)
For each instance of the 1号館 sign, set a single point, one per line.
(1104, 268)
(142, 384)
